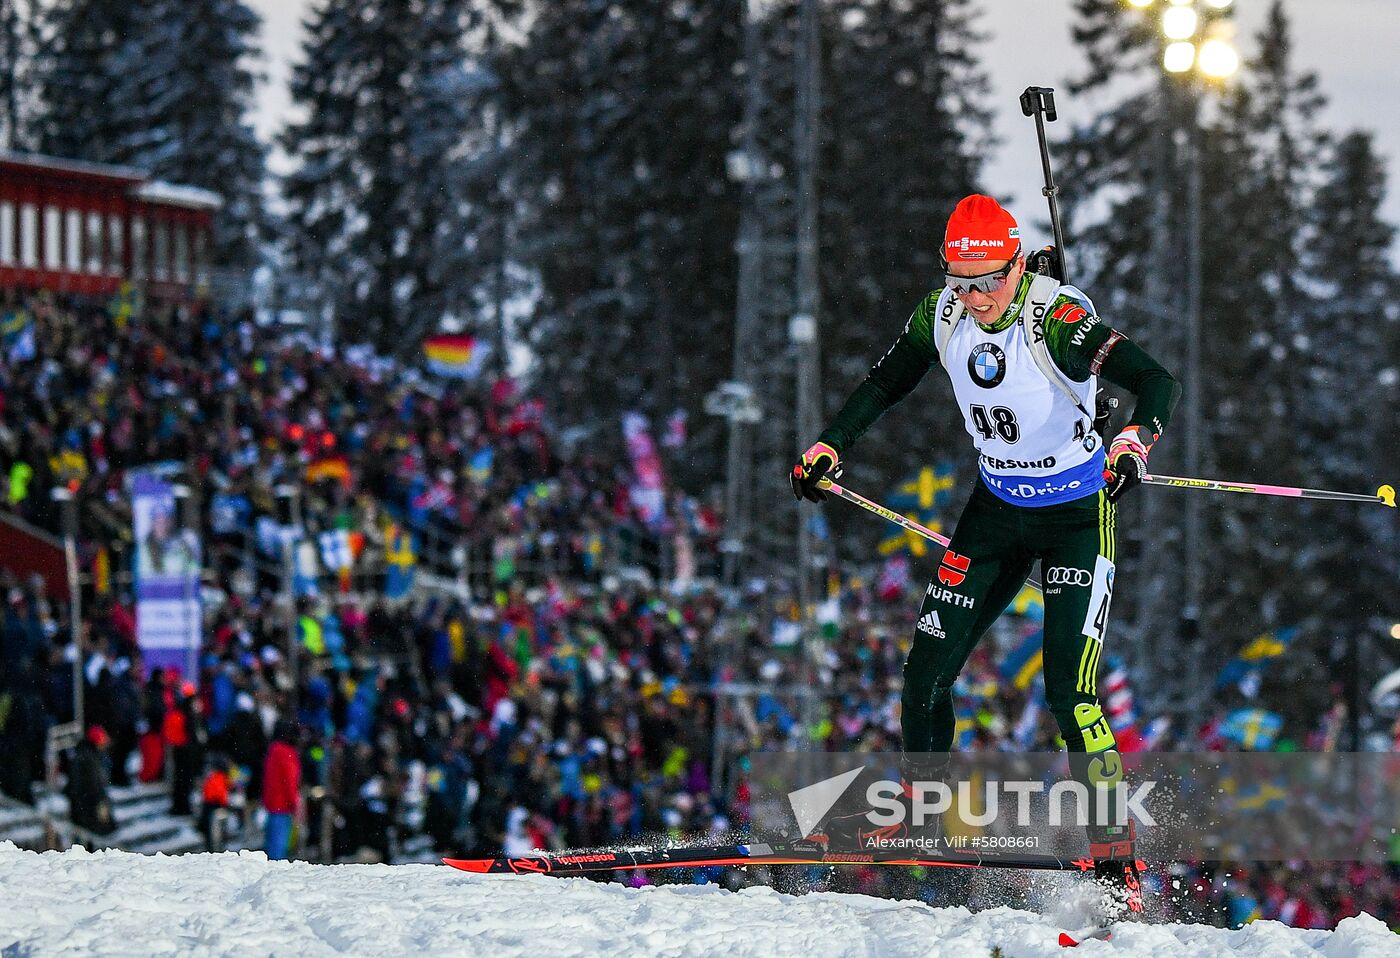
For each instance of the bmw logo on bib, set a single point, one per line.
(987, 365)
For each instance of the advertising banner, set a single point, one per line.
(168, 623)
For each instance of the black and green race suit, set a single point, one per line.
(997, 541)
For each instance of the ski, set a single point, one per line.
(585, 862)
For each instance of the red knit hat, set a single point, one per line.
(980, 229)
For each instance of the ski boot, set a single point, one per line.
(849, 831)
(852, 832)
(1117, 868)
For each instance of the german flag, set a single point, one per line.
(329, 467)
(460, 357)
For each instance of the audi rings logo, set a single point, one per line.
(1059, 575)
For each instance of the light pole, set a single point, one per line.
(802, 328)
(1196, 51)
(68, 518)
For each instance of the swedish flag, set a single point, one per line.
(1029, 603)
(1023, 663)
(901, 538)
(974, 688)
(1253, 729)
(918, 498)
(964, 724)
(1262, 796)
(927, 489)
(401, 561)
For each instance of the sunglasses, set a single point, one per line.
(984, 282)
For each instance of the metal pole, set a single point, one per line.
(68, 510)
(1162, 323)
(1191, 607)
(736, 402)
(803, 328)
(292, 524)
(1353, 693)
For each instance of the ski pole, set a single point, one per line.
(904, 521)
(882, 512)
(1385, 495)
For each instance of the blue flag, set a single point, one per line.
(919, 498)
(964, 724)
(1246, 668)
(1022, 664)
(17, 335)
(926, 490)
(401, 561)
(1252, 729)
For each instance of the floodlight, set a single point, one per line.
(1218, 59)
(1179, 23)
(1178, 57)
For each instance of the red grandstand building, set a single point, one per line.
(86, 227)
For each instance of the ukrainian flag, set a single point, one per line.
(480, 465)
(1255, 656)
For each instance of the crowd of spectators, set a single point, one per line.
(573, 677)
(382, 684)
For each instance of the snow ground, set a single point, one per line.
(120, 904)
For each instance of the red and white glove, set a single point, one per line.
(1127, 460)
(819, 462)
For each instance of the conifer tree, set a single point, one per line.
(188, 92)
(79, 68)
(1345, 560)
(375, 201)
(1116, 171)
(622, 115)
(18, 34)
(1260, 311)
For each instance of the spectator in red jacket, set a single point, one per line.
(181, 731)
(281, 790)
(214, 798)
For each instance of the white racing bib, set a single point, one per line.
(1036, 446)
